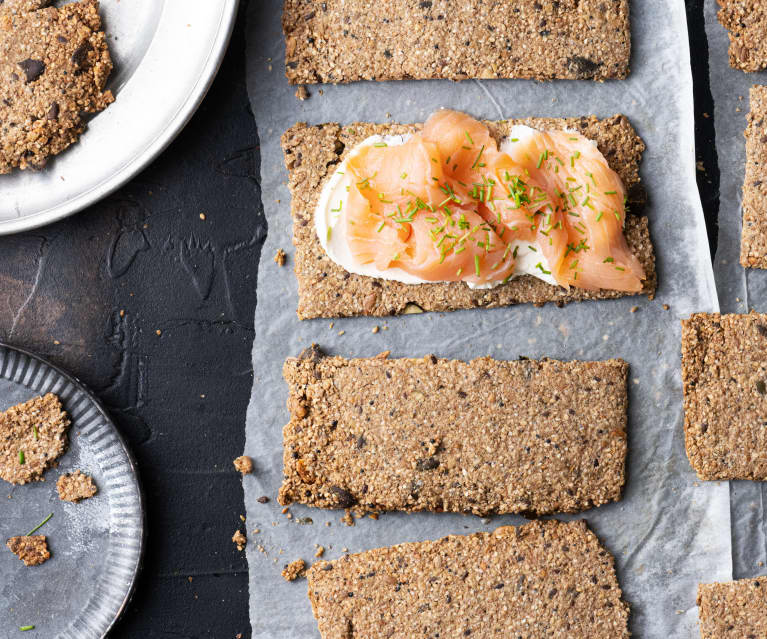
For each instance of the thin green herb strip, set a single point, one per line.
(40, 525)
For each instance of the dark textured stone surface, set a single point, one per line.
(91, 292)
(146, 251)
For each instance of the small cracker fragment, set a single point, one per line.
(239, 540)
(76, 486)
(543, 579)
(54, 63)
(733, 610)
(485, 436)
(31, 549)
(753, 243)
(38, 430)
(294, 570)
(348, 40)
(243, 464)
(301, 93)
(746, 23)
(724, 372)
(325, 289)
(280, 257)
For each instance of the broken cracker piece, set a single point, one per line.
(33, 435)
(294, 570)
(239, 539)
(76, 486)
(31, 549)
(280, 257)
(244, 464)
(733, 610)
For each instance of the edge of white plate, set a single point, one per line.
(154, 146)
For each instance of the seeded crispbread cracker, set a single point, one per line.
(76, 486)
(753, 245)
(724, 371)
(54, 63)
(348, 40)
(33, 435)
(31, 549)
(746, 23)
(733, 610)
(325, 289)
(484, 437)
(546, 579)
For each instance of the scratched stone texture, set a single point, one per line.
(91, 294)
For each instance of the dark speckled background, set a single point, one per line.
(90, 293)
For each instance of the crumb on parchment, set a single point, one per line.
(280, 257)
(243, 464)
(294, 570)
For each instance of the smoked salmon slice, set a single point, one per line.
(449, 205)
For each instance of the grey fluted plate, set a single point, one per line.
(95, 545)
(166, 54)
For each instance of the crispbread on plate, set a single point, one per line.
(347, 40)
(753, 245)
(325, 289)
(483, 437)
(544, 579)
(724, 372)
(733, 610)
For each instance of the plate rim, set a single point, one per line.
(132, 463)
(139, 162)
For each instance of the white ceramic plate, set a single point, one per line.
(166, 53)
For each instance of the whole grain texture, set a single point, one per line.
(753, 246)
(734, 610)
(483, 437)
(75, 487)
(54, 63)
(746, 22)
(325, 289)
(33, 435)
(347, 40)
(31, 549)
(724, 372)
(545, 579)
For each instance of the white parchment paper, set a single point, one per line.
(740, 290)
(669, 532)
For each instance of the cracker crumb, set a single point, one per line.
(243, 464)
(239, 540)
(294, 570)
(202, 216)
(31, 549)
(634, 309)
(280, 257)
(341, 333)
(348, 518)
(665, 307)
(375, 329)
(301, 93)
(158, 332)
(76, 486)
(320, 551)
(263, 499)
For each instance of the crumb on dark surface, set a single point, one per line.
(243, 464)
(239, 539)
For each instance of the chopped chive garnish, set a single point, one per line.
(25, 628)
(40, 525)
(608, 259)
(515, 139)
(380, 144)
(619, 268)
(611, 192)
(403, 175)
(21, 457)
(476, 262)
(34, 430)
(340, 205)
(543, 270)
(468, 137)
(599, 215)
(540, 161)
(330, 231)
(532, 248)
(380, 227)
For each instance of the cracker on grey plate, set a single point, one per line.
(753, 244)
(75, 487)
(544, 579)
(724, 372)
(325, 289)
(33, 435)
(746, 23)
(54, 63)
(31, 549)
(733, 610)
(347, 40)
(481, 437)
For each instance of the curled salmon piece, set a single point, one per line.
(449, 205)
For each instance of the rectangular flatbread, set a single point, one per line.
(724, 371)
(325, 289)
(347, 40)
(746, 23)
(541, 580)
(753, 245)
(733, 610)
(483, 437)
